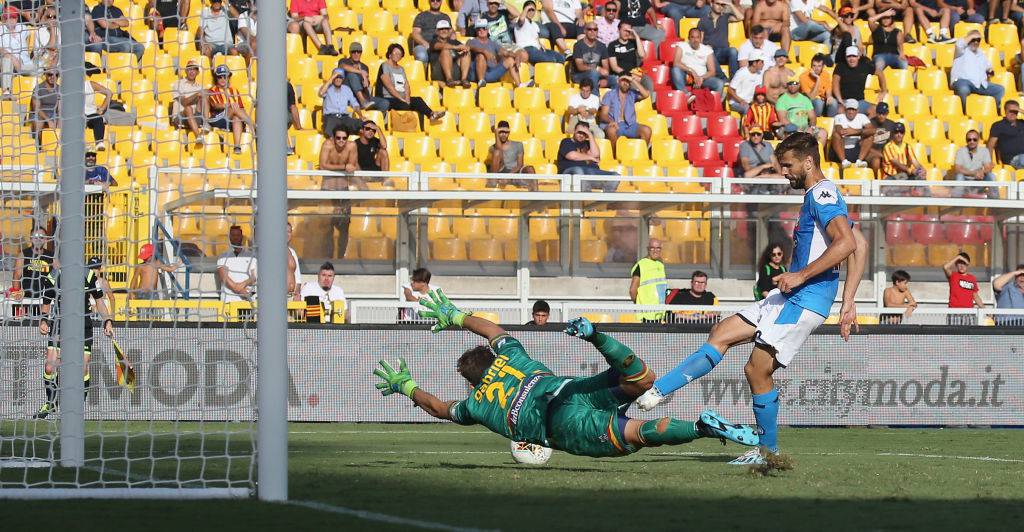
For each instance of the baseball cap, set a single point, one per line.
(852, 51)
(338, 71)
(781, 53)
(760, 89)
(443, 24)
(754, 129)
(793, 81)
(94, 262)
(192, 63)
(845, 10)
(355, 47)
(480, 23)
(882, 108)
(90, 153)
(851, 104)
(10, 11)
(899, 128)
(221, 71)
(145, 252)
(755, 56)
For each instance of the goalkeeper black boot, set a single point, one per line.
(45, 410)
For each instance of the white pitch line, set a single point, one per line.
(955, 457)
(382, 518)
(389, 432)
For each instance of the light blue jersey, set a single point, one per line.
(822, 203)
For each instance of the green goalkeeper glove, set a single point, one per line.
(441, 309)
(395, 381)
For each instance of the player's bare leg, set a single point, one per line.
(730, 332)
(764, 401)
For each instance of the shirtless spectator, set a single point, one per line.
(774, 16)
(146, 276)
(339, 155)
(777, 75)
(898, 296)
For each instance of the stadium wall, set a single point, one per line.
(925, 375)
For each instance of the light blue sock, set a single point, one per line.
(694, 367)
(766, 412)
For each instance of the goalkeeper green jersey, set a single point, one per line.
(511, 399)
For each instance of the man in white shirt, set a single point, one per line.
(15, 51)
(527, 35)
(583, 107)
(236, 270)
(758, 42)
(214, 32)
(695, 62)
(971, 70)
(740, 90)
(330, 298)
(848, 130)
(246, 36)
(803, 28)
(187, 106)
(294, 279)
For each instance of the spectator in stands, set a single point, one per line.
(45, 100)
(94, 113)
(638, 13)
(774, 17)
(338, 155)
(1006, 137)
(816, 84)
(898, 296)
(188, 103)
(974, 163)
(971, 70)
(625, 55)
(740, 91)
(309, 17)
(527, 36)
(323, 295)
(803, 28)
(759, 45)
(15, 49)
(417, 288)
(964, 10)
(565, 18)
(697, 295)
(541, 312)
(680, 9)
(424, 27)
(214, 32)
(771, 265)
(899, 162)
(851, 76)
(225, 107)
(714, 29)
(648, 284)
(371, 153)
(145, 282)
(848, 129)
(338, 99)
(470, 12)
(236, 269)
(590, 57)
(883, 132)
(490, 60)
(928, 11)
(580, 154)
(963, 289)
(846, 34)
(1012, 11)
(608, 23)
(888, 42)
(777, 75)
(499, 25)
(449, 58)
(1010, 295)
(294, 272)
(47, 40)
(97, 174)
(796, 112)
(110, 23)
(246, 32)
(761, 113)
(393, 84)
(694, 65)
(163, 14)
(357, 77)
(238, 9)
(757, 159)
(583, 108)
(618, 111)
(506, 157)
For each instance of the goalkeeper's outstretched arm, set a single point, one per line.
(400, 381)
(482, 327)
(431, 404)
(437, 306)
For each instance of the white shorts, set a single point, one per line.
(781, 325)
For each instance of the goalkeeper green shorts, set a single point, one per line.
(584, 418)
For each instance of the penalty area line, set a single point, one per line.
(382, 518)
(955, 457)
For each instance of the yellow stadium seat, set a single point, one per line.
(470, 227)
(533, 153)
(650, 170)
(920, 51)
(545, 124)
(558, 98)
(598, 317)
(929, 130)
(659, 127)
(448, 249)
(907, 255)
(938, 254)
(363, 225)
(899, 81)
(486, 250)
(475, 124)
(631, 151)
(489, 316)
(494, 98)
(933, 81)
(549, 75)
(376, 248)
(398, 6)
(363, 6)
(458, 99)
(943, 154)
(529, 100)
(379, 23)
(1003, 37)
(736, 34)
(543, 228)
(684, 230)
(913, 106)
(628, 318)
(420, 150)
(430, 94)
(443, 127)
(516, 124)
(302, 70)
(981, 107)
(958, 130)
(455, 150)
(667, 151)
(503, 228)
(947, 107)
(943, 55)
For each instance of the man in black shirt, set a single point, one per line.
(30, 268)
(714, 26)
(625, 54)
(371, 154)
(1006, 138)
(110, 24)
(697, 295)
(636, 13)
(850, 78)
(883, 131)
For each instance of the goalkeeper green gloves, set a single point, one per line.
(395, 381)
(441, 309)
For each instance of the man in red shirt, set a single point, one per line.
(963, 289)
(309, 17)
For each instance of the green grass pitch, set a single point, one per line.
(449, 477)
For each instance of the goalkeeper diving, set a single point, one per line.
(521, 399)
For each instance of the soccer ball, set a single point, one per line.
(530, 453)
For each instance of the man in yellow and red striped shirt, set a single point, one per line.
(898, 160)
(762, 114)
(226, 110)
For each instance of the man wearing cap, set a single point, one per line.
(225, 108)
(214, 32)
(357, 78)
(424, 27)
(740, 90)
(111, 26)
(757, 159)
(96, 174)
(899, 162)
(803, 28)
(774, 16)
(15, 51)
(848, 128)
(338, 98)
(883, 132)
(796, 112)
(694, 65)
(309, 17)
(490, 60)
(757, 43)
(850, 77)
(714, 29)
(470, 12)
(762, 113)
(775, 77)
(971, 70)
(450, 60)
(188, 104)
(146, 275)
(973, 162)
(246, 34)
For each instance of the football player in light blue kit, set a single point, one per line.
(779, 324)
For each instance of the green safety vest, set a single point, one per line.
(653, 286)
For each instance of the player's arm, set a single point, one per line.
(844, 243)
(855, 265)
(431, 404)
(447, 314)
(400, 381)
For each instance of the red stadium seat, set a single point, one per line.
(717, 170)
(897, 230)
(703, 152)
(986, 229)
(671, 102)
(962, 229)
(659, 74)
(730, 150)
(687, 128)
(724, 128)
(928, 230)
(671, 35)
(651, 57)
(667, 50)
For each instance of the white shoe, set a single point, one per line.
(846, 164)
(100, 146)
(860, 163)
(751, 457)
(650, 399)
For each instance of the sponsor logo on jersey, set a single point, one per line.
(520, 399)
(966, 285)
(827, 197)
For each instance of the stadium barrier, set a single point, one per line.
(888, 376)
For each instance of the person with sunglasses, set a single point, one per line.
(590, 58)
(371, 153)
(528, 33)
(357, 77)
(608, 23)
(1006, 137)
(771, 265)
(971, 71)
(973, 162)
